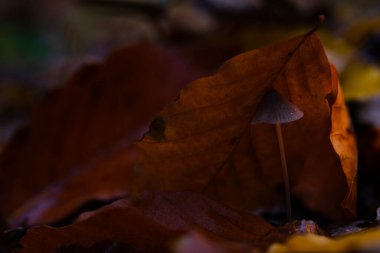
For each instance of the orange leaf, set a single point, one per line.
(204, 141)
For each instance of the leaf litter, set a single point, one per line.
(204, 142)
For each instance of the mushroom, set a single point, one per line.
(275, 109)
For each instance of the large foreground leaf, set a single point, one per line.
(204, 141)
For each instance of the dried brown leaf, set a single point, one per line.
(148, 224)
(204, 141)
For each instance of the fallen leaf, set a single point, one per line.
(102, 179)
(361, 81)
(367, 241)
(185, 210)
(78, 144)
(204, 141)
(101, 107)
(148, 223)
(344, 143)
(116, 225)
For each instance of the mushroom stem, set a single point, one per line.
(284, 171)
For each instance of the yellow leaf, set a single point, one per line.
(367, 241)
(361, 80)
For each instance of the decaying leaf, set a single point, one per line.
(101, 107)
(77, 146)
(103, 179)
(344, 144)
(204, 141)
(148, 223)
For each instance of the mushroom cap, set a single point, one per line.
(275, 109)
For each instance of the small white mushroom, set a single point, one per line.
(275, 109)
